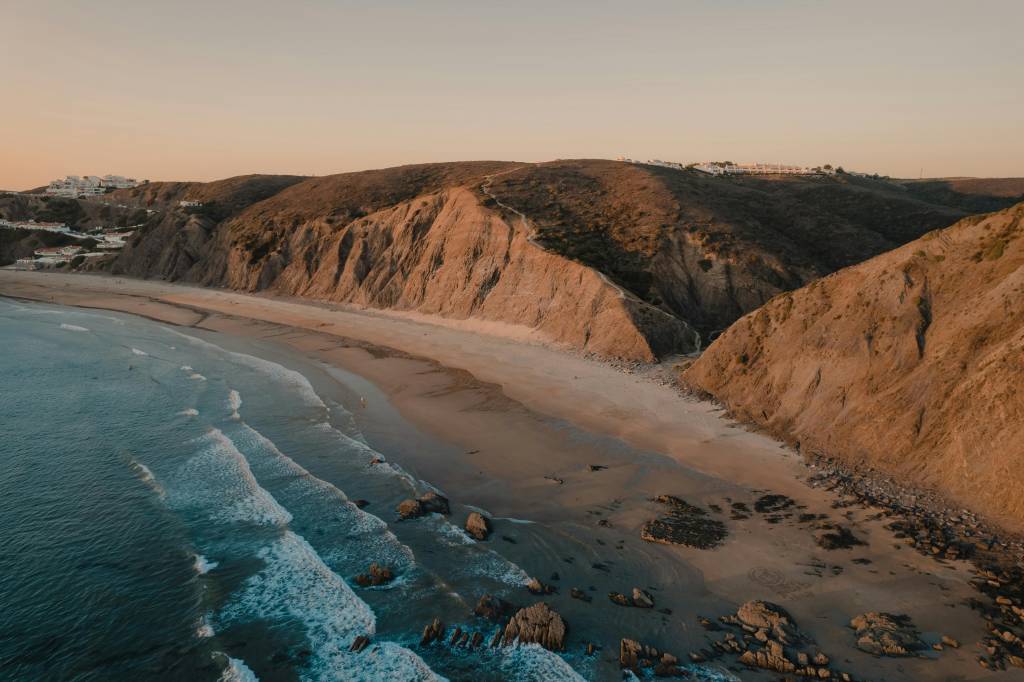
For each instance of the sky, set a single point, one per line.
(203, 90)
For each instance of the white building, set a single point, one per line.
(119, 182)
(59, 251)
(91, 185)
(33, 225)
(113, 240)
(729, 168)
(187, 203)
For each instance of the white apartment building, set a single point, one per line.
(33, 225)
(58, 251)
(90, 185)
(724, 168)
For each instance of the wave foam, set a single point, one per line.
(473, 559)
(296, 586)
(143, 473)
(189, 412)
(204, 630)
(365, 535)
(72, 327)
(237, 671)
(218, 480)
(277, 372)
(136, 351)
(234, 402)
(533, 663)
(204, 565)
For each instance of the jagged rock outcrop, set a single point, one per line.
(771, 617)
(492, 608)
(884, 634)
(433, 631)
(537, 624)
(909, 363)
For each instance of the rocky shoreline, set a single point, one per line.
(928, 524)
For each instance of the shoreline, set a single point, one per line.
(517, 428)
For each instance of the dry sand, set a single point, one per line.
(523, 414)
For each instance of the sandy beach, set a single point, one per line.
(499, 420)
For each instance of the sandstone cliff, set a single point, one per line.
(911, 363)
(410, 239)
(622, 260)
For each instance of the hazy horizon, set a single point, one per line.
(193, 92)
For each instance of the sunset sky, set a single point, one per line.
(201, 90)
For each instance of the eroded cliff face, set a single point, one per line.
(623, 260)
(711, 249)
(440, 253)
(911, 363)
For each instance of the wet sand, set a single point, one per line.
(513, 427)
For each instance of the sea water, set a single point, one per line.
(157, 521)
(171, 509)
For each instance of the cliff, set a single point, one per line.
(622, 260)
(910, 363)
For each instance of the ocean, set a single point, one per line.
(172, 509)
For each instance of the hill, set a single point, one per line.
(623, 260)
(709, 249)
(975, 195)
(910, 363)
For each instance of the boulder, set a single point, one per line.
(359, 643)
(496, 637)
(619, 598)
(642, 599)
(433, 631)
(377, 575)
(433, 503)
(537, 587)
(633, 655)
(886, 634)
(772, 617)
(492, 608)
(537, 624)
(410, 509)
(428, 503)
(629, 653)
(478, 526)
(577, 593)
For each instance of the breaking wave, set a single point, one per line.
(234, 402)
(276, 372)
(219, 471)
(236, 671)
